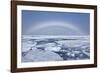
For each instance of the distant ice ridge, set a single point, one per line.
(50, 36)
(61, 47)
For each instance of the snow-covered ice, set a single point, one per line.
(55, 48)
(41, 55)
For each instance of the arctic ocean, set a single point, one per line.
(42, 48)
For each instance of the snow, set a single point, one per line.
(41, 55)
(55, 48)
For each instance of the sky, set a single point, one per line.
(55, 23)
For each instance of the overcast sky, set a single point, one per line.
(55, 23)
